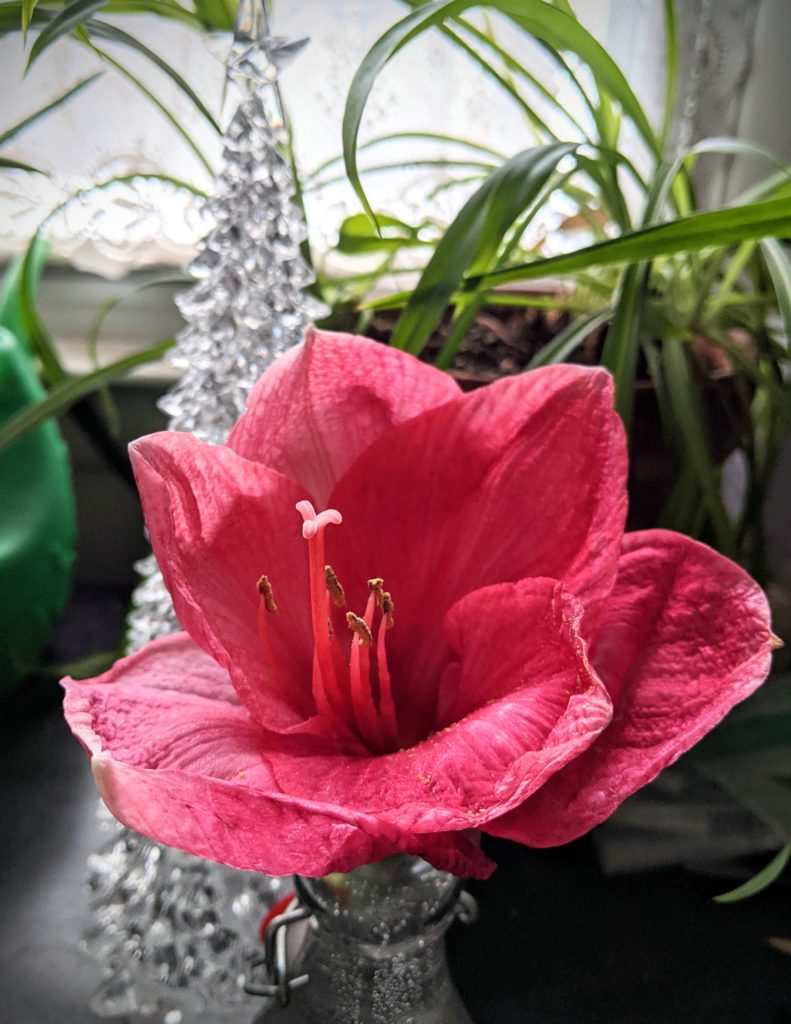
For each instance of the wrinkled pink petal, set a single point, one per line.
(217, 523)
(685, 637)
(324, 402)
(178, 759)
(530, 703)
(525, 477)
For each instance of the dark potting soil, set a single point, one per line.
(500, 343)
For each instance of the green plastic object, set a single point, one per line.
(37, 518)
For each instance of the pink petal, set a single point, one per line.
(217, 523)
(684, 638)
(522, 478)
(530, 702)
(178, 760)
(323, 403)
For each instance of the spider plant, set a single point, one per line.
(689, 295)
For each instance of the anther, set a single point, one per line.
(268, 595)
(777, 642)
(387, 608)
(334, 588)
(359, 628)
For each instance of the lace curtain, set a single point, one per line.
(111, 130)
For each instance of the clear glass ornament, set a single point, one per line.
(366, 947)
(246, 308)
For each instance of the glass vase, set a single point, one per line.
(366, 947)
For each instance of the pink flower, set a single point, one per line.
(503, 659)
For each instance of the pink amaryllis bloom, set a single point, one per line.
(410, 616)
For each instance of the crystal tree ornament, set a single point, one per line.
(248, 304)
(175, 933)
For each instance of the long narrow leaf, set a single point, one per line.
(17, 165)
(671, 60)
(113, 34)
(61, 25)
(157, 103)
(31, 119)
(549, 25)
(170, 9)
(685, 403)
(472, 240)
(569, 339)
(762, 880)
(769, 219)
(28, 6)
(64, 395)
(780, 271)
(454, 140)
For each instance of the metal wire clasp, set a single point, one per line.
(279, 984)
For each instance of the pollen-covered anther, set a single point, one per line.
(334, 588)
(376, 586)
(358, 626)
(267, 594)
(387, 608)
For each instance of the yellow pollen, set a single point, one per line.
(387, 608)
(359, 628)
(334, 588)
(266, 592)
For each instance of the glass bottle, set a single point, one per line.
(368, 947)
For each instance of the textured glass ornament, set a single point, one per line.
(366, 947)
(176, 934)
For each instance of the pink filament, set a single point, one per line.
(348, 703)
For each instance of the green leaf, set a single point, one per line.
(82, 668)
(170, 9)
(69, 391)
(685, 234)
(551, 26)
(684, 397)
(761, 881)
(357, 236)
(157, 103)
(671, 60)
(31, 119)
(68, 19)
(569, 339)
(217, 15)
(35, 331)
(780, 271)
(378, 140)
(103, 30)
(28, 6)
(17, 165)
(473, 238)
(622, 344)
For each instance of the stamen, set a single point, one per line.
(360, 628)
(334, 588)
(375, 586)
(363, 707)
(387, 709)
(327, 688)
(268, 595)
(387, 608)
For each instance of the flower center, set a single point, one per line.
(353, 694)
